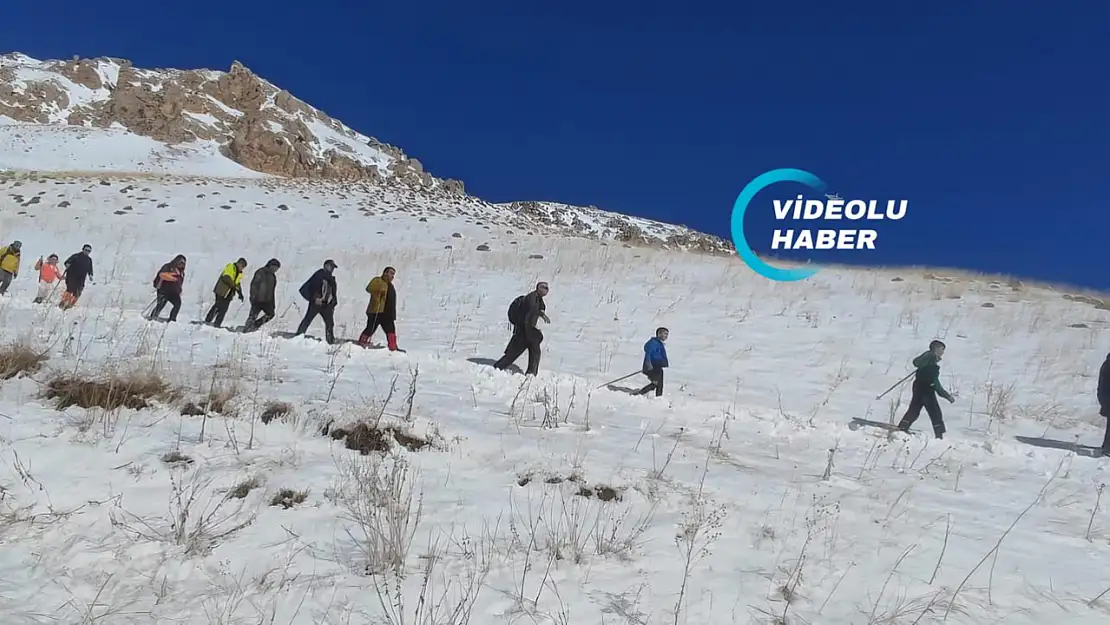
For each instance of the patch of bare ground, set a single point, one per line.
(176, 459)
(17, 359)
(366, 438)
(275, 410)
(137, 391)
(219, 401)
(601, 491)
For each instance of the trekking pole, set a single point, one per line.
(150, 306)
(897, 384)
(619, 379)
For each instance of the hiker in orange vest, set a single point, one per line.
(48, 275)
(168, 284)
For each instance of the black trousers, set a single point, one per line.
(521, 342)
(216, 314)
(924, 397)
(327, 313)
(656, 377)
(1106, 438)
(376, 320)
(174, 299)
(267, 310)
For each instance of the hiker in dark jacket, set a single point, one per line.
(78, 267)
(382, 309)
(1103, 394)
(262, 295)
(169, 283)
(228, 285)
(526, 336)
(655, 360)
(320, 291)
(926, 387)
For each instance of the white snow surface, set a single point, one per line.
(744, 495)
(40, 147)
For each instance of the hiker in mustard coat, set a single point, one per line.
(227, 287)
(9, 265)
(382, 309)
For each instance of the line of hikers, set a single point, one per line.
(75, 271)
(321, 293)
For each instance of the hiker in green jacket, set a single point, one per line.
(926, 387)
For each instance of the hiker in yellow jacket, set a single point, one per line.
(9, 265)
(227, 287)
(382, 309)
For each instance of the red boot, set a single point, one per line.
(391, 339)
(364, 340)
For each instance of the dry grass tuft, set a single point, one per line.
(17, 359)
(135, 392)
(242, 489)
(287, 498)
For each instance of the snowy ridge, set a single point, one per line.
(740, 496)
(78, 93)
(77, 116)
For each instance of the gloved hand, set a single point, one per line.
(240, 296)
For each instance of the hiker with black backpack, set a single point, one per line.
(322, 294)
(524, 313)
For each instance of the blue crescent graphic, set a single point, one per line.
(741, 206)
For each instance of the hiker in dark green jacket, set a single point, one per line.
(926, 387)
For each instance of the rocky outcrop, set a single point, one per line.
(256, 124)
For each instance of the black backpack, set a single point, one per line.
(516, 311)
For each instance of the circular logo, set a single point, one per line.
(741, 206)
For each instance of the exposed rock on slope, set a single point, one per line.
(255, 123)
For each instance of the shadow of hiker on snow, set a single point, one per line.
(1048, 443)
(622, 389)
(489, 362)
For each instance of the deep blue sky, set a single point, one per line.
(989, 117)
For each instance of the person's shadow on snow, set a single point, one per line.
(1048, 443)
(489, 362)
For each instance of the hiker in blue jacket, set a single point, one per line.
(655, 360)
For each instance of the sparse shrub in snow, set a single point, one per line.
(567, 525)
(379, 497)
(194, 526)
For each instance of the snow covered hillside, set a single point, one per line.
(225, 480)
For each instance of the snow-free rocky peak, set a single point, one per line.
(256, 124)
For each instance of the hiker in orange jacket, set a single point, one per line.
(49, 273)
